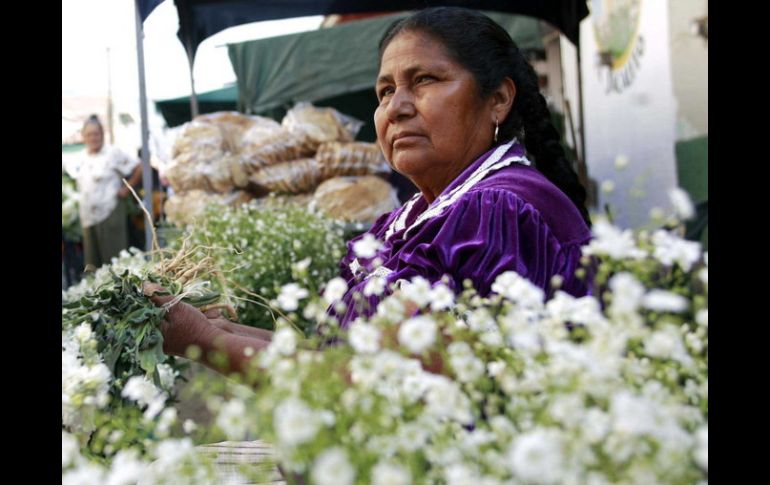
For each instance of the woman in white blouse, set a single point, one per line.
(103, 195)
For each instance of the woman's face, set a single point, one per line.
(93, 137)
(431, 122)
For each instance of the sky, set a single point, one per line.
(94, 31)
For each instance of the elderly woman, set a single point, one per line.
(102, 195)
(460, 114)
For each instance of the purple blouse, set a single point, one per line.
(499, 215)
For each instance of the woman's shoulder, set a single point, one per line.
(523, 192)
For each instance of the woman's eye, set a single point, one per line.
(386, 91)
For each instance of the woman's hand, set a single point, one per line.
(183, 326)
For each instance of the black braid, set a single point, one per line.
(484, 48)
(542, 139)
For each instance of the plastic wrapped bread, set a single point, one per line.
(274, 147)
(218, 173)
(294, 177)
(197, 141)
(182, 209)
(337, 159)
(355, 199)
(184, 177)
(233, 126)
(320, 125)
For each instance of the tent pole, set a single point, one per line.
(146, 169)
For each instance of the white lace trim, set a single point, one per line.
(400, 222)
(354, 266)
(465, 187)
(380, 272)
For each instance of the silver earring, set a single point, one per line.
(497, 127)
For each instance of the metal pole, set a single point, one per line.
(585, 179)
(146, 169)
(193, 95)
(109, 99)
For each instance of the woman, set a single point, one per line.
(102, 196)
(459, 114)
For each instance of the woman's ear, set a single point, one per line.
(502, 99)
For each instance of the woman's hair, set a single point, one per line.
(93, 120)
(486, 50)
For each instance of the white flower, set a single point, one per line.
(608, 186)
(85, 474)
(537, 456)
(335, 289)
(284, 341)
(468, 368)
(520, 331)
(627, 294)
(613, 242)
(514, 287)
(664, 301)
(441, 298)
(703, 274)
(595, 425)
(290, 295)
(126, 468)
(333, 468)
(670, 249)
(167, 376)
(621, 162)
(295, 422)
(682, 203)
(155, 407)
(141, 390)
(412, 436)
(171, 452)
(460, 474)
(232, 419)
(374, 286)
(568, 409)
(418, 290)
(83, 333)
(492, 338)
(666, 343)
(445, 400)
(303, 265)
(632, 414)
(495, 368)
(167, 418)
(417, 334)
(566, 307)
(189, 426)
(702, 317)
(364, 338)
(366, 247)
(386, 473)
(391, 309)
(69, 449)
(702, 447)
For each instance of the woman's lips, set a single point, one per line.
(407, 140)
